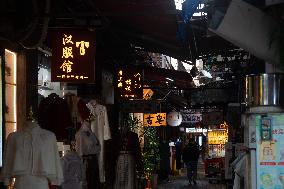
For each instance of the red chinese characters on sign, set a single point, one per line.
(73, 55)
(277, 131)
(268, 163)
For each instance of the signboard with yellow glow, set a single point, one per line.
(73, 56)
(158, 119)
(217, 137)
(129, 83)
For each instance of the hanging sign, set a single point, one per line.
(191, 118)
(158, 119)
(129, 83)
(73, 56)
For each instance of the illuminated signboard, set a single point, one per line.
(129, 84)
(158, 119)
(217, 137)
(73, 56)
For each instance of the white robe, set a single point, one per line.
(100, 127)
(86, 141)
(27, 160)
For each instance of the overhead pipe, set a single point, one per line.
(249, 28)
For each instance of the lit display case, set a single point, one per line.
(216, 143)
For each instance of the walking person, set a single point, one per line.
(190, 157)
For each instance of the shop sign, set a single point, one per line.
(191, 118)
(140, 106)
(147, 94)
(129, 83)
(73, 56)
(195, 130)
(217, 137)
(158, 119)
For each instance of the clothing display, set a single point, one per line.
(86, 141)
(27, 160)
(100, 126)
(88, 147)
(84, 112)
(53, 115)
(125, 171)
(92, 171)
(30, 181)
(73, 171)
(72, 101)
(129, 160)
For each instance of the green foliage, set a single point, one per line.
(151, 155)
(150, 152)
(133, 123)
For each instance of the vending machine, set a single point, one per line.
(264, 131)
(265, 139)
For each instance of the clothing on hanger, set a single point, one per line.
(86, 141)
(89, 148)
(53, 115)
(73, 171)
(27, 161)
(129, 160)
(100, 126)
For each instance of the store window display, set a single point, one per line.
(54, 116)
(26, 159)
(100, 126)
(88, 148)
(129, 160)
(73, 170)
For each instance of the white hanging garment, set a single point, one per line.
(100, 126)
(27, 160)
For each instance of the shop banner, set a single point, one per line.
(73, 56)
(188, 117)
(158, 119)
(270, 153)
(129, 83)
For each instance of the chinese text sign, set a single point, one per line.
(158, 119)
(270, 153)
(129, 84)
(73, 55)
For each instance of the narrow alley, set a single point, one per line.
(180, 182)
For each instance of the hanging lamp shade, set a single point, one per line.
(174, 118)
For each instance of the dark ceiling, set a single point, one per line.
(152, 25)
(121, 27)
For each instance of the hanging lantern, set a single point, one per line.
(174, 118)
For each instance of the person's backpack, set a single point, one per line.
(186, 154)
(190, 153)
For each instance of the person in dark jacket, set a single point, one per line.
(190, 157)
